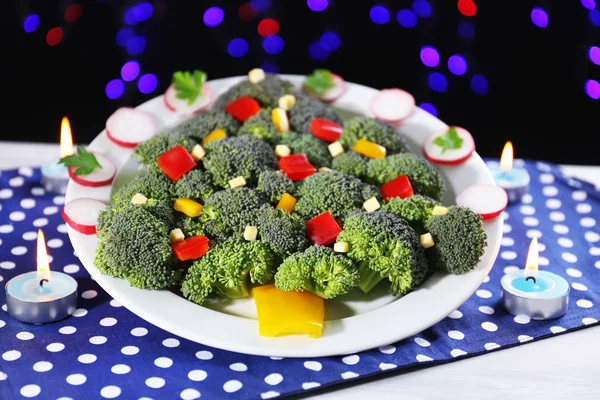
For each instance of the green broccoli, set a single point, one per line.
(231, 157)
(332, 191)
(261, 126)
(305, 109)
(459, 240)
(134, 244)
(385, 247)
(416, 210)
(424, 178)
(315, 149)
(266, 92)
(199, 126)
(350, 163)
(196, 185)
(148, 151)
(226, 269)
(153, 185)
(273, 184)
(375, 131)
(285, 233)
(318, 270)
(228, 211)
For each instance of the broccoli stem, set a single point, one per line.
(237, 292)
(368, 278)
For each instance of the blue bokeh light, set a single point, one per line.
(430, 108)
(422, 8)
(430, 56)
(124, 35)
(129, 16)
(237, 47)
(380, 15)
(466, 30)
(130, 71)
(147, 83)
(143, 11)
(260, 6)
(589, 4)
(317, 52)
(317, 5)
(31, 23)
(136, 45)
(213, 16)
(114, 89)
(457, 65)
(594, 16)
(270, 67)
(479, 84)
(330, 41)
(406, 18)
(539, 17)
(273, 44)
(437, 82)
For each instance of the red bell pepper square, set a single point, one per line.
(296, 167)
(325, 129)
(323, 229)
(176, 162)
(243, 108)
(191, 248)
(397, 187)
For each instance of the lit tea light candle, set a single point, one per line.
(55, 176)
(514, 180)
(42, 296)
(533, 293)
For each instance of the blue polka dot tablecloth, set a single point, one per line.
(105, 351)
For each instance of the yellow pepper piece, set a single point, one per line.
(280, 119)
(287, 202)
(369, 149)
(188, 207)
(288, 313)
(214, 135)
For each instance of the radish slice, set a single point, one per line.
(336, 91)
(487, 201)
(99, 177)
(181, 106)
(392, 105)
(82, 214)
(434, 153)
(129, 127)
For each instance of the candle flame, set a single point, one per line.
(506, 160)
(43, 266)
(66, 139)
(531, 265)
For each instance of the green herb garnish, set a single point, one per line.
(320, 81)
(188, 85)
(84, 161)
(449, 140)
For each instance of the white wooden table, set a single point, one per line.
(562, 367)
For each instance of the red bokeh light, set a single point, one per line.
(247, 12)
(54, 36)
(268, 27)
(467, 8)
(72, 13)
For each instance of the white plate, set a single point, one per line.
(354, 322)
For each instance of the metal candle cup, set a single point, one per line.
(514, 180)
(55, 176)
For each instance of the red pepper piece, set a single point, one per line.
(323, 229)
(243, 108)
(296, 166)
(397, 187)
(325, 129)
(191, 248)
(176, 162)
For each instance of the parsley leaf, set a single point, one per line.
(84, 161)
(319, 82)
(449, 140)
(188, 85)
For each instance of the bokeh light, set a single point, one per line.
(406, 18)
(422, 8)
(260, 6)
(130, 71)
(147, 83)
(592, 89)
(589, 4)
(594, 16)
(317, 5)
(270, 67)
(237, 47)
(136, 45)
(31, 23)
(246, 12)
(268, 27)
(457, 65)
(273, 44)
(437, 82)
(466, 30)
(539, 17)
(317, 52)
(380, 15)
(430, 108)
(467, 8)
(595, 55)
(213, 16)
(124, 35)
(430, 56)
(54, 36)
(73, 13)
(129, 16)
(143, 11)
(114, 89)
(330, 41)
(479, 84)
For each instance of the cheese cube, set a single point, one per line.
(256, 75)
(335, 149)
(324, 169)
(237, 182)
(280, 119)
(139, 199)
(438, 210)
(371, 204)
(198, 152)
(426, 240)
(176, 235)
(341, 247)
(250, 233)
(281, 150)
(286, 102)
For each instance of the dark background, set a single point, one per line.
(536, 76)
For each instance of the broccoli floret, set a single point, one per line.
(152, 185)
(266, 92)
(261, 126)
(332, 191)
(231, 157)
(416, 210)
(204, 123)
(134, 244)
(318, 270)
(459, 240)
(315, 149)
(226, 269)
(373, 130)
(424, 178)
(190, 226)
(285, 233)
(350, 163)
(148, 151)
(305, 109)
(273, 184)
(385, 247)
(196, 185)
(229, 211)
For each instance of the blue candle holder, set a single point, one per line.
(514, 181)
(55, 177)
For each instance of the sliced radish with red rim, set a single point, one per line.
(128, 127)
(98, 177)
(82, 214)
(182, 106)
(487, 201)
(336, 91)
(439, 154)
(392, 105)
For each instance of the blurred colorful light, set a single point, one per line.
(437, 82)
(380, 15)
(457, 65)
(130, 71)
(136, 45)
(422, 8)
(124, 35)
(54, 36)
(589, 4)
(246, 12)
(129, 16)
(430, 108)
(147, 83)
(114, 89)
(595, 55)
(479, 84)
(268, 27)
(270, 68)
(406, 18)
(213, 16)
(317, 5)
(330, 41)
(592, 89)
(466, 30)
(273, 44)
(143, 11)
(467, 8)
(237, 47)
(539, 17)
(31, 23)
(594, 16)
(317, 52)
(430, 56)
(260, 5)
(73, 13)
